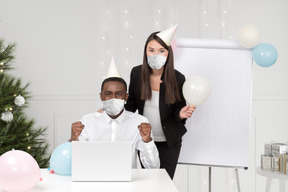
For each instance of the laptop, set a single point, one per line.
(101, 161)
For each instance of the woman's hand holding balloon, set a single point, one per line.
(186, 112)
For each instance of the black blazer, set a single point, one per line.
(172, 125)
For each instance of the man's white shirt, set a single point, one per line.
(101, 127)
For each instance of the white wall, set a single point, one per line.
(62, 53)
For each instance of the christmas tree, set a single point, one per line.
(16, 129)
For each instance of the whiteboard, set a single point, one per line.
(218, 131)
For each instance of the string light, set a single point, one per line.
(105, 36)
(224, 21)
(29, 147)
(205, 18)
(128, 24)
(2, 64)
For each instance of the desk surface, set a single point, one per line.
(143, 180)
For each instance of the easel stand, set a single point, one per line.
(237, 179)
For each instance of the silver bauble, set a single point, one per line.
(19, 100)
(7, 116)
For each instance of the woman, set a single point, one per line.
(155, 90)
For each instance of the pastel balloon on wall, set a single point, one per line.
(60, 161)
(173, 44)
(248, 36)
(19, 171)
(196, 90)
(264, 54)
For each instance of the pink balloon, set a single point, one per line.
(173, 45)
(18, 171)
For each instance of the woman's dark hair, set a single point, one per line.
(171, 87)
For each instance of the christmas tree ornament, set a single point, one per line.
(168, 34)
(7, 116)
(113, 70)
(19, 100)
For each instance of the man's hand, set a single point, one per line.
(100, 110)
(145, 132)
(76, 130)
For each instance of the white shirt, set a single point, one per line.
(151, 111)
(101, 127)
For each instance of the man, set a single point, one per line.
(117, 124)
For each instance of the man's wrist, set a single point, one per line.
(147, 140)
(74, 139)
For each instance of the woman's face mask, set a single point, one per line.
(113, 106)
(156, 61)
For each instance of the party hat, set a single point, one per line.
(113, 70)
(168, 34)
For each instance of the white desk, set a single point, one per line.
(273, 175)
(143, 180)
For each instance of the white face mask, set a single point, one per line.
(156, 61)
(113, 106)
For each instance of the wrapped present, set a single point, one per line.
(266, 163)
(283, 163)
(268, 149)
(275, 163)
(279, 148)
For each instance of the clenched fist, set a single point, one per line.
(76, 130)
(145, 132)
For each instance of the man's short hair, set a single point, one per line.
(119, 79)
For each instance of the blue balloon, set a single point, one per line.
(60, 161)
(264, 54)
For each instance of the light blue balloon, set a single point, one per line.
(264, 54)
(60, 161)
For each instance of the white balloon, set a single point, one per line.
(248, 36)
(196, 90)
